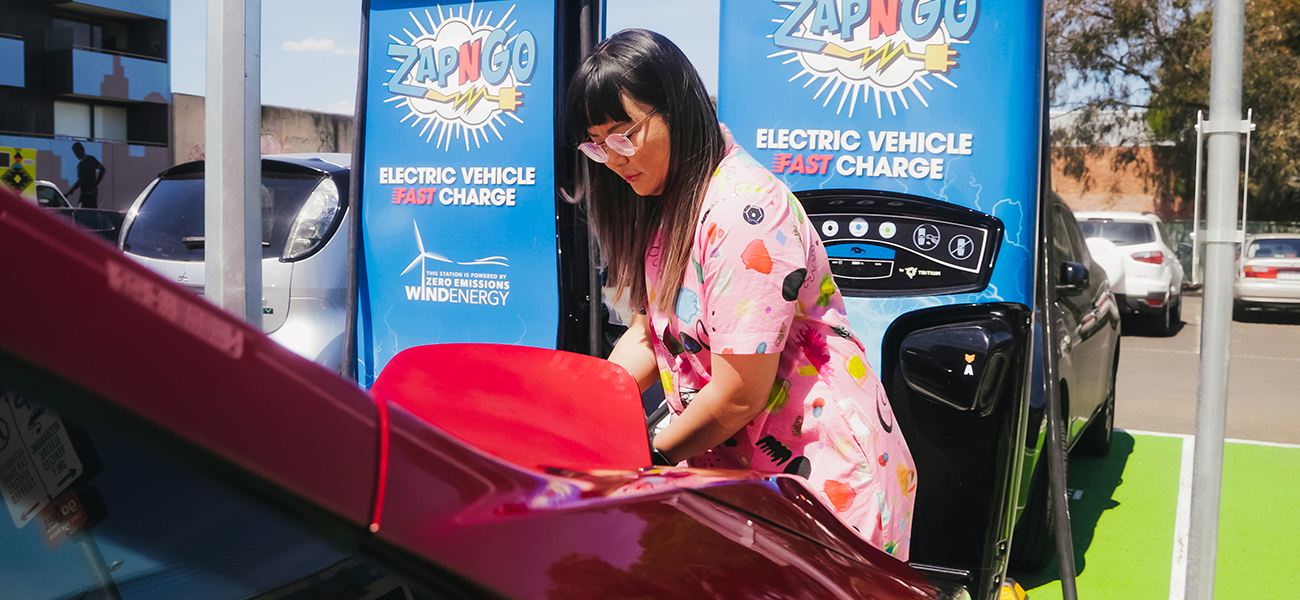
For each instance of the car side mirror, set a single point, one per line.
(1073, 278)
(1183, 250)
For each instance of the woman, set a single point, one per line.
(737, 312)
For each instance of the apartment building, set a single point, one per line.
(92, 73)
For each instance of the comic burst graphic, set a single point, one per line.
(460, 73)
(874, 64)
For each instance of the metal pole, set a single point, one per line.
(350, 367)
(594, 291)
(1245, 176)
(1222, 157)
(233, 166)
(94, 559)
(1198, 237)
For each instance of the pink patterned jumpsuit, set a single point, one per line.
(760, 283)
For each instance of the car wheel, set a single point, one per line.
(1095, 441)
(1033, 545)
(1238, 311)
(1162, 323)
(1177, 317)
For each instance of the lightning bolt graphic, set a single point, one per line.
(468, 98)
(509, 99)
(882, 56)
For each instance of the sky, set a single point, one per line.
(310, 47)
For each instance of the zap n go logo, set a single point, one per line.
(889, 50)
(461, 74)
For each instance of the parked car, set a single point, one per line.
(1268, 274)
(104, 223)
(1145, 273)
(304, 255)
(49, 195)
(199, 459)
(1086, 331)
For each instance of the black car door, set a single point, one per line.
(1087, 344)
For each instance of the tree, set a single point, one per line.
(1121, 63)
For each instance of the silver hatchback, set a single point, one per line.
(1268, 273)
(304, 245)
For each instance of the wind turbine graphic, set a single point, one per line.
(423, 255)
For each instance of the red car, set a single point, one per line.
(152, 446)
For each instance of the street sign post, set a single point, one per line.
(37, 461)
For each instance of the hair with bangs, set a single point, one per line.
(650, 69)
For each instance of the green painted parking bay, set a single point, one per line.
(1128, 517)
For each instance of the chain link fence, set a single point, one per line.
(1180, 232)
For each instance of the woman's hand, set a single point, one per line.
(737, 393)
(633, 352)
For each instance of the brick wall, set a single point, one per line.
(1120, 189)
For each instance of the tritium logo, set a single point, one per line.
(886, 49)
(460, 74)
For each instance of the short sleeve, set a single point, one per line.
(752, 262)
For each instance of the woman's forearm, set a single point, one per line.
(634, 353)
(736, 394)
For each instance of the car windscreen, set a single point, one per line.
(1122, 234)
(1276, 248)
(48, 197)
(169, 224)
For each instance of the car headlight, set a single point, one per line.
(313, 221)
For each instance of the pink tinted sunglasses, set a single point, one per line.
(617, 142)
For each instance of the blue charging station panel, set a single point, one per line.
(934, 99)
(458, 235)
(912, 132)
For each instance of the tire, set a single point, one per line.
(1033, 544)
(1238, 311)
(1177, 317)
(1095, 441)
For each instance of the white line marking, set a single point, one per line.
(1249, 356)
(1255, 443)
(1192, 437)
(1154, 433)
(1182, 522)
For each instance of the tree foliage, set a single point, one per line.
(1135, 72)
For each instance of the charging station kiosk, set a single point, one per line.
(911, 131)
(463, 235)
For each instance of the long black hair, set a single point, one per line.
(650, 69)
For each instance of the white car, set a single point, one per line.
(304, 245)
(1141, 263)
(1268, 274)
(49, 195)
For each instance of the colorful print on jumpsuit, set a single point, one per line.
(760, 283)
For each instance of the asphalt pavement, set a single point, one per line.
(1157, 381)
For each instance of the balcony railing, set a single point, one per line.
(50, 136)
(118, 53)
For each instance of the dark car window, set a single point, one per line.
(1062, 245)
(1277, 248)
(1078, 249)
(152, 525)
(47, 197)
(1122, 234)
(169, 224)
